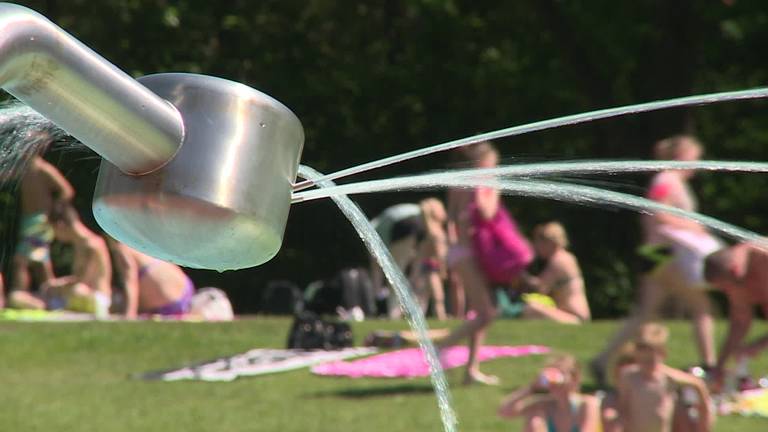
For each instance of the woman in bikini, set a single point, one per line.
(553, 402)
(561, 278)
(151, 286)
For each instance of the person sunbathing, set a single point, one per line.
(561, 279)
(152, 286)
(87, 288)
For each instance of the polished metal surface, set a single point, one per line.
(222, 202)
(84, 94)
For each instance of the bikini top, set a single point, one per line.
(575, 403)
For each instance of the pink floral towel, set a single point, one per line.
(410, 363)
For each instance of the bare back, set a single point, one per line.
(756, 278)
(37, 188)
(91, 265)
(160, 282)
(562, 277)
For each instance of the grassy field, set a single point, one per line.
(77, 377)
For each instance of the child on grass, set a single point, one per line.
(648, 389)
(552, 402)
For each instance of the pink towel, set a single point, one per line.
(410, 363)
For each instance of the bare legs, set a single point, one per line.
(479, 300)
(653, 291)
(438, 294)
(456, 295)
(537, 311)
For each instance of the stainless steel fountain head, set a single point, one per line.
(222, 202)
(197, 170)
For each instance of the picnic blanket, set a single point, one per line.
(410, 362)
(27, 315)
(43, 316)
(254, 362)
(747, 403)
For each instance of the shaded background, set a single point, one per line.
(371, 79)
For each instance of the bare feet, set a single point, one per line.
(481, 378)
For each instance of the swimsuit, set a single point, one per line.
(178, 307)
(575, 405)
(35, 237)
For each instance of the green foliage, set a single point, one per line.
(371, 79)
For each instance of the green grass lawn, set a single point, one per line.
(77, 377)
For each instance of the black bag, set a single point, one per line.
(311, 332)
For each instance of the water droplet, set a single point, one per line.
(262, 124)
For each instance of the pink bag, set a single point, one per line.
(501, 250)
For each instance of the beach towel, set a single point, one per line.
(44, 316)
(410, 362)
(747, 403)
(254, 362)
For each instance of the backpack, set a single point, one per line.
(309, 331)
(501, 250)
(282, 297)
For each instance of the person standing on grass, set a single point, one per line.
(674, 250)
(472, 212)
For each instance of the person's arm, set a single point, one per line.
(518, 403)
(740, 320)
(128, 270)
(487, 200)
(590, 420)
(62, 189)
(624, 400)
(704, 404)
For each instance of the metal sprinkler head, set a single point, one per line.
(197, 170)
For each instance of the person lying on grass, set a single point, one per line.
(152, 286)
(552, 402)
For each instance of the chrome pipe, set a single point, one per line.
(197, 170)
(84, 94)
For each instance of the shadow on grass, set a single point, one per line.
(376, 391)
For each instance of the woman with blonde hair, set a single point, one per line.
(674, 250)
(561, 278)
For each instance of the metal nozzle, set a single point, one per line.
(197, 170)
(84, 94)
